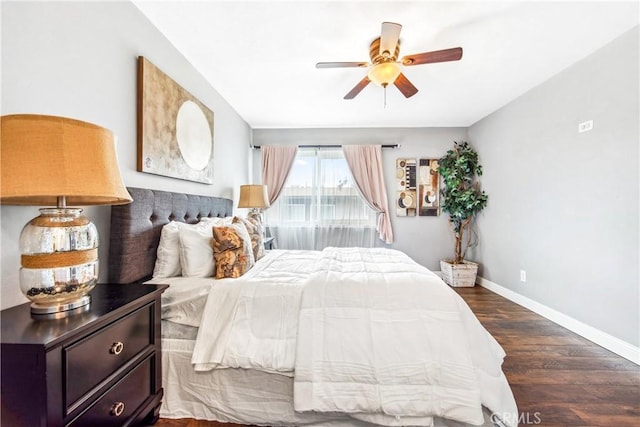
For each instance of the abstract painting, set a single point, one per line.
(428, 188)
(175, 130)
(406, 195)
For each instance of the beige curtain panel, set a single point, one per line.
(276, 165)
(365, 162)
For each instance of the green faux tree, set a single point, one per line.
(461, 194)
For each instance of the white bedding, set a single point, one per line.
(382, 338)
(251, 322)
(183, 302)
(395, 348)
(244, 396)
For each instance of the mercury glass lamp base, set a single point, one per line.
(50, 309)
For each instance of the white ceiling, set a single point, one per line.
(261, 55)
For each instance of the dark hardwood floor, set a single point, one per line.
(558, 378)
(563, 378)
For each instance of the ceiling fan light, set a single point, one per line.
(384, 73)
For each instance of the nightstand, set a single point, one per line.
(268, 242)
(100, 366)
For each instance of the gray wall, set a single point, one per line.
(78, 60)
(563, 205)
(425, 239)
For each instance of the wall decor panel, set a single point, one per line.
(175, 130)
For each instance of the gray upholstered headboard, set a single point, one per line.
(136, 227)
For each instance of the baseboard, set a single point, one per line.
(611, 343)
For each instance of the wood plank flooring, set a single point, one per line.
(558, 378)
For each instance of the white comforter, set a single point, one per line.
(366, 332)
(252, 322)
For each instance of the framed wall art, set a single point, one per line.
(428, 187)
(406, 196)
(175, 130)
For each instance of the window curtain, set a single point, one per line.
(320, 205)
(365, 162)
(276, 166)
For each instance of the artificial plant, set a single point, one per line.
(461, 194)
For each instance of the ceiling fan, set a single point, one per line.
(385, 67)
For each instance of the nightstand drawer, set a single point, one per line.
(121, 401)
(92, 360)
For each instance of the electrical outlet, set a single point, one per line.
(585, 126)
(523, 276)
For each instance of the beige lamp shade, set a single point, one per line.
(384, 73)
(46, 157)
(253, 196)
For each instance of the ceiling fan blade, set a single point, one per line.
(445, 55)
(389, 36)
(341, 64)
(358, 88)
(405, 86)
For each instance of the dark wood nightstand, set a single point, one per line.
(268, 242)
(97, 367)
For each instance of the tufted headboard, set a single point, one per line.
(136, 227)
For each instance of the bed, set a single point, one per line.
(340, 337)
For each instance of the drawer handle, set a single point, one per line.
(116, 348)
(117, 409)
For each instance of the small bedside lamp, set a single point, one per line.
(254, 197)
(45, 161)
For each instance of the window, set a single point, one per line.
(320, 205)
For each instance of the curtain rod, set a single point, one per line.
(257, 147)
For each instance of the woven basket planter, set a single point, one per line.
(459, 275)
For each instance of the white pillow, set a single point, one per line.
(217, 221)
(168, 255)
(196, 253)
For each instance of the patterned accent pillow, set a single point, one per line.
(232, 251)
(254, 227)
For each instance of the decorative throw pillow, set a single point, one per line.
(232, 251)
(254, 228)
(168, 255)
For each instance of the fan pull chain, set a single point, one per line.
(385, 96)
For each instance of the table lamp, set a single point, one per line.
(254, 197)
(61, 162)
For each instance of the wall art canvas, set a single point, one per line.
(428, 187)
(406, 194)
(175, 130)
